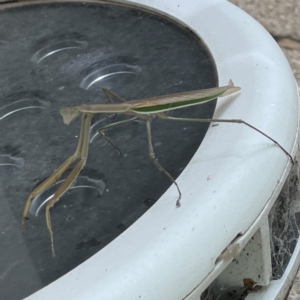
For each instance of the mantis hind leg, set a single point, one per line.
(157, 164)
(238, 121)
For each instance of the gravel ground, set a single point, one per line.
(282, 19)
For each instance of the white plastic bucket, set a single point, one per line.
(228, 187)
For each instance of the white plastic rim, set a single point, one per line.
(236, 173)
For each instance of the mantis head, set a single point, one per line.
(69, 114)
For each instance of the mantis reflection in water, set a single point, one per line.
(146, 109)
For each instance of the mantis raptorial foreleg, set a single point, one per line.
(157, 164)
(238, 121)
(80, 153)
(53, 178)
(62, 190)
(85, 134)
(45, 184)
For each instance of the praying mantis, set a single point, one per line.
(146, 109)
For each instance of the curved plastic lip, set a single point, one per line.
(64, 45)
(222, 192)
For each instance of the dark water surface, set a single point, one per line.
(62, 54)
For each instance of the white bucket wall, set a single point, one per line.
(233, 177)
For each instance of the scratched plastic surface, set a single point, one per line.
(62, 54)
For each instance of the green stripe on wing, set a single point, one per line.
(171, 106)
